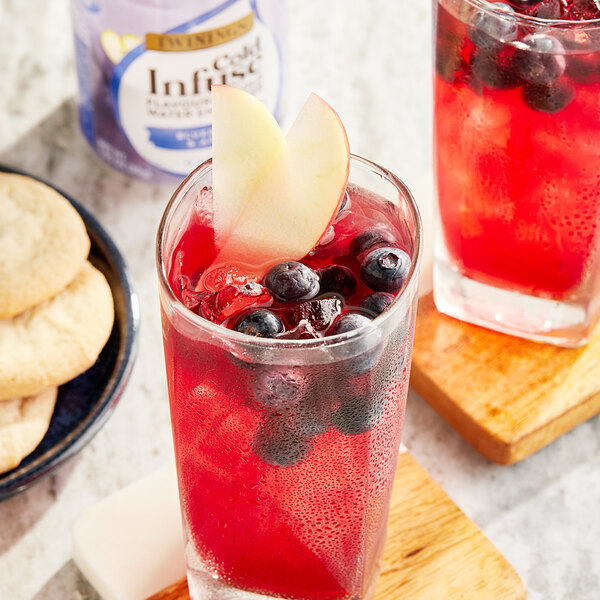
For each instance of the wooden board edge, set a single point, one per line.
(502, 450)
(176, 591)
(494, 448)
(537, 439)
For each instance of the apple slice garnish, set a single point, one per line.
(274, 196)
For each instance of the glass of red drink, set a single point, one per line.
(517, 146)
(286, 447)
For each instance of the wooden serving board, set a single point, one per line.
(433, 550)
(507, 396)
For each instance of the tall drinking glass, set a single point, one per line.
(286, 449)
(517, 147)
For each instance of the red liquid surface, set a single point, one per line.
(314, 529)
(518, 188)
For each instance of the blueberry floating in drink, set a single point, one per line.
(260, 322)
(490, 30)
(540, 59)
(367, 349)
(338, 279)
(313, 416)
(550, 98)
(349, 322)
(365, 240)
(360, 413)
(291, 282)
(279, 444)
(385, 269)
(495, 68)
(279, 388)
(376, 303)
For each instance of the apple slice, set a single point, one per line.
(274, 197)
(246, 138)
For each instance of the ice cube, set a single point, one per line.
(303, 331)
(188, 292)
(216, 279)
(219, 306)
(203, 206)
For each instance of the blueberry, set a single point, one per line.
(450, 44)
(259, 322)
(359, 414)
(540, 58)
(279, 389)
(369, 238)
(364, 361)
(291, 282)
(337, 279)
(447, 62)
(349, 322)
(385, 269)
(495, 69)
(313, 415)
(491, 30)
(280, 444)
(549, 98)
(377, 302)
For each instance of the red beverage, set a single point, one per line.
(286, 448)
(517, 134)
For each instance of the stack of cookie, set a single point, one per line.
(56, 309)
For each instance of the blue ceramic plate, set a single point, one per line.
(84, 404)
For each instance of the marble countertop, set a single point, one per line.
(371, 61)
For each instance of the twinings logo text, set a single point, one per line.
(184, 42)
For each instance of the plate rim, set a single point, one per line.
(94, 420)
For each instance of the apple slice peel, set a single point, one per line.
(274, 196)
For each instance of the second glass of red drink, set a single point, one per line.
(517, 137)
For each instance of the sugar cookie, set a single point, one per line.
(43, 243)
(58, 339)
(23, 424)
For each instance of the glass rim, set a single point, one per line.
(488, 7)
(240, 338)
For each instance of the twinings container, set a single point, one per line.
(145, 69)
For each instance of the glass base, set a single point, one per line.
(203, 586)
(538, 319)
